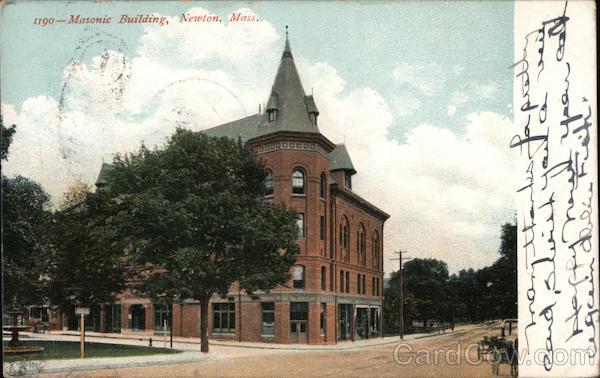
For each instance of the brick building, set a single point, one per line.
(336, 287)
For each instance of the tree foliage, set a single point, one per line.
(471, 295)
(5, 138)
(194, 216)
(25, 245)
(88, 266)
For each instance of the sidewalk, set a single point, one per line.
(189, 346)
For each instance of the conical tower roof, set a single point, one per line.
(288, 98)
(292, 108)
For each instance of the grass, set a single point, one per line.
(70, 349)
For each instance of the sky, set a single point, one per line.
(420, 92)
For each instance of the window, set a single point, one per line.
(348, 180)
(344, 239)
(298, 182)
(137, 317)
(347, 282)
(377, 286)
(373, 286)
(331, 277)
(272, 115)
(300, 226)
(162, 318)
(298, 277)
(323, 278)
(268, 318)
(375, 251)
(364, 284)
(358, 289)
(223, 317)
(322, 228)
(269, 183)
(323, 317)
(298, 317)
(323, 186)
(342, 281)
(361, 245)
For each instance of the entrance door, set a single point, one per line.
(138, 317)
(345, 321)
(362, 323)
(112, 318)
(298, 322)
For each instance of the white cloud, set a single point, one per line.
(471, 92)
(429, 78)
(447, 193)
(487, 90)
(406, 104)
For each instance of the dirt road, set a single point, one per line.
(438, 356)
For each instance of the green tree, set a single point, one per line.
(425, 293)
(5, 138)
(426, 280)
(499, 281)
(391, 305)
(26, 248)
(88, 266)
(194, 216)
(25, 245)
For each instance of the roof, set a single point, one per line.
(358, 200)
(287, 98)
(340, 159)
(104, 171)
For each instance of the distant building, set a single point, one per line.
(336, 287)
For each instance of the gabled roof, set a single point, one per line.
(340, 159)
(104, 171)
(287, 98)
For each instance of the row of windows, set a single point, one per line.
(298, 183)
(300, 230)
(361, 244)
(224, 317)
(299, 279)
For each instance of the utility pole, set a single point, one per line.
(401, 284)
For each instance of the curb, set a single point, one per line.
(97, 365)
(111, 364)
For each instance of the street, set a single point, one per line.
(433, 356)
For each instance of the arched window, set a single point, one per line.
(361, 245)
(297, 182)
(375, 250)
(269, 183)
(345, 239)
(323, 186)
(298, 275)
(323, 278)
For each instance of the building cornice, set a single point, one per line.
(293, 136)
(359, 201)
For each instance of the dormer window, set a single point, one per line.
(348, 180)
(272, 115)
(311, 109)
